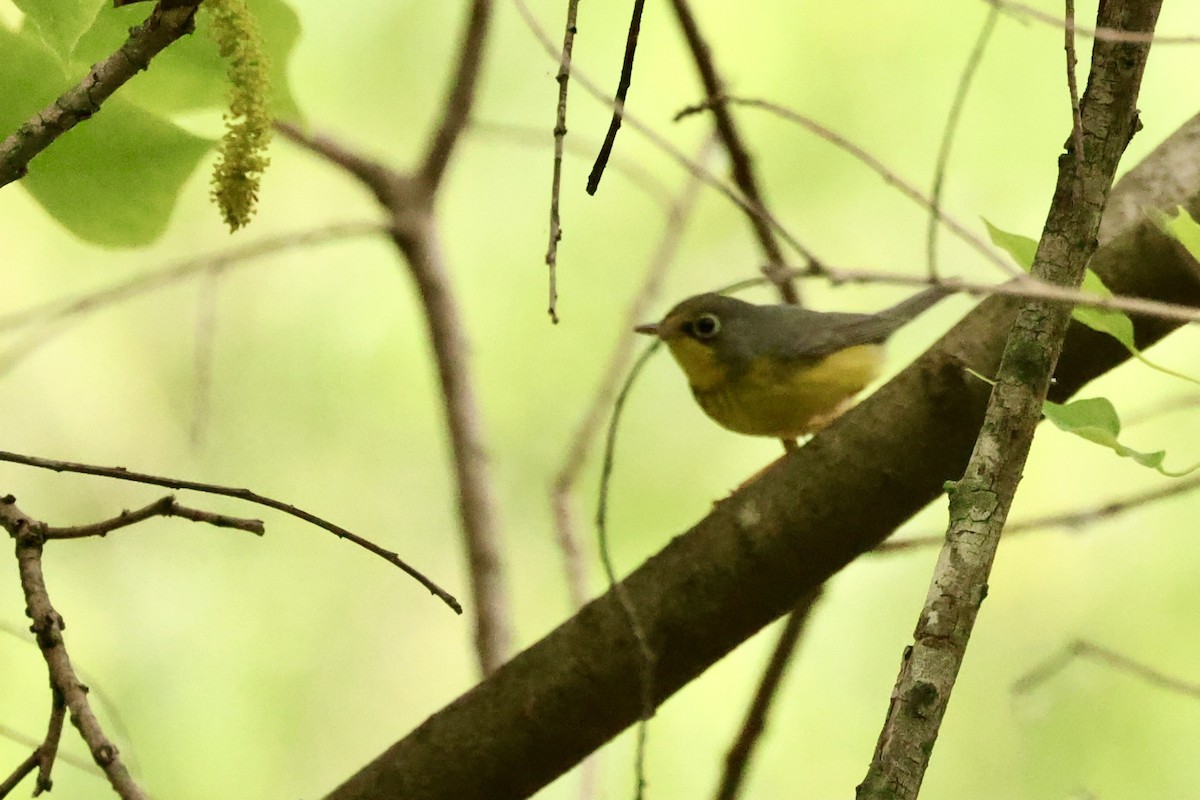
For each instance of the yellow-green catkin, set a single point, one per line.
(242, 157)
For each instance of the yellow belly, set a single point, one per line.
(792, 400)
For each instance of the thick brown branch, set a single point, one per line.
(80, 102)
(754, 557)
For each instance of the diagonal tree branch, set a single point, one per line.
(742, 165)
(48, 626)
(408, 199)
(461, 97)
(980, 501)
(161, 28)
(759, 551)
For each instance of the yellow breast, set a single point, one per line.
(777, 399)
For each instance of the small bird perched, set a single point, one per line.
(779, 370)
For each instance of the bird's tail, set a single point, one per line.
(907, 310)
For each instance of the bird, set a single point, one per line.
(779, 370)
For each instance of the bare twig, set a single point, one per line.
(166, 507)
(460, 98)
(33, 744)
(44, 753)
(48, 626)
(1081, 648)
(1071, 520)
(730, 192)
(89, 302)
(619, 362)
(528, 135)
(906, 188)
(408, 199)
(981, 499)
(560, 134)
(738, 757)
(20, 772)
(161, 28)
(122, 474)
(1101, 33)
(741, 163)
(645, 648)
(1169, 405)
(943, 156)
(48, 751)
(610, 138)
(1026, 286)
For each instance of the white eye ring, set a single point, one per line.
(706, 326)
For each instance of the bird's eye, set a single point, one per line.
(706, 326)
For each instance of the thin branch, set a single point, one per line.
(531, 136)
(1070, 520)
(48, 626)
(741, 163)
(409, 201)
(81, 764)
(1170, 405)
(602, 398)
(657, 140)
(737, 760)
(648, 656)
(952, 119)
(19, 774)
(610, 138)
(48, 751)
(161, 28)
(122, 474)
(89, 302)
(560, 134)
(1100, 33)
(1026, 287)
(906, 188)
(1081, 649)
(166, 507)
(461, 98)
(981, 499)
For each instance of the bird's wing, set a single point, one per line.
(812, 334)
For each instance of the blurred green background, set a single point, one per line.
(237, 667)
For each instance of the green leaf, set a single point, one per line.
(60, 23)
(1021, 248)
(1096, 420)
(190, 74)
(1116, 324)
(112, 179)
(1185, 229)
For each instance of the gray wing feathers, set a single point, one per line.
(815, 334)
